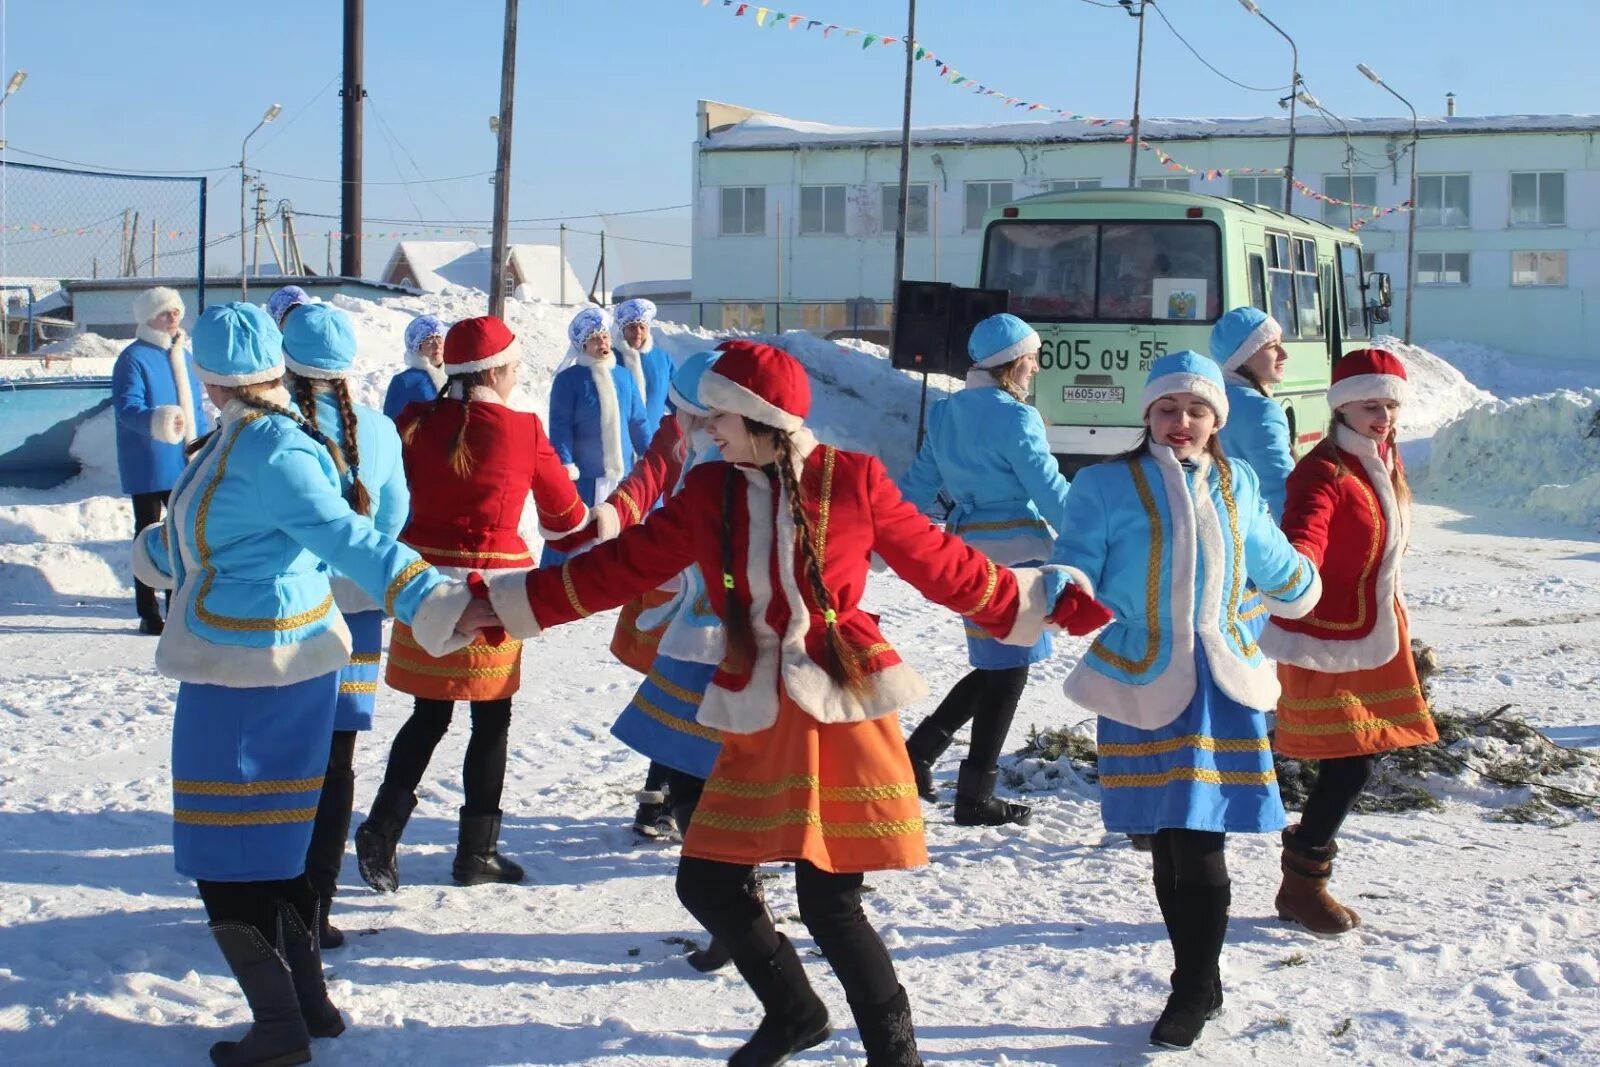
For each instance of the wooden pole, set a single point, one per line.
(499, 245)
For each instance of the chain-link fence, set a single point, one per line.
(58, 225)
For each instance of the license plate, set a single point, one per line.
(1091, 394)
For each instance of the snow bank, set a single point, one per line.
(1509, 376)
(1439, 391)
(1540, 455)
(83, 355)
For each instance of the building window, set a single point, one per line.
(740, 316)
(1443, 268)
(1338, 186)
(1172, 185)
(821, 209)
(981, 196)
(1538, 199)
(744, 210)
(1442, 200)
(1072, 185)
(1538, 268)
(916, 208)
(1268, 192)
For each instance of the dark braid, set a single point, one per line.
(250, 396)
(305, 392)
(460, 451)
(741, 639)
(844, 663)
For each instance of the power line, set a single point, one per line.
(190, 172)
(340, 181)
(301, 110)
(468, 223)
(395, 140)
(1253, 88)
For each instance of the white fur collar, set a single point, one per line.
(417, 361)
(236, 409)
(160, 338)
(632, 359)
(481, 394)
(978, 378)
(605, 387)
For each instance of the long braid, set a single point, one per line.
(360, 499)
(844, 663)
(741, 639)
(460, 451)
(250, 396)
(304, 391)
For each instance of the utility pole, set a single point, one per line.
(350, 155)
(905, 154)
(499, 244)
(1294, 91)
(1138, 83)
(561, 268)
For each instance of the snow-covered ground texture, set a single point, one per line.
(1020, 946)
(1440, 393)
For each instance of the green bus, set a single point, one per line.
(1114, 278)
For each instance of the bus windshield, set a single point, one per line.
(1071, 271)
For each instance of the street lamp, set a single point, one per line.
(1294, 87)
(1138, 80)
(14, 84)
(1411, 224)
(271, 113)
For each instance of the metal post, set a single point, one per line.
(905, 153)
(778, 295)
(155, 262)
(244, 182)
(200, 284)
(350, 145)
(1294, 89)
(499, 244)
(933, 226)
(562, 266)
(1138, 81)
(1411, 224)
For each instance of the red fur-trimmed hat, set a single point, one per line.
(478, 344)
(759, 382)
(1368, 374)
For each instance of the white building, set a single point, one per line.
(533, 271)
(802, 215)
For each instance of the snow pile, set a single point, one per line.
(1508, 376)
(83, 355)
(1540, 455)
(1439, 392)
(94, 446)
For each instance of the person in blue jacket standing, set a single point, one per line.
(256, 644)
(986, 452)
(650, 366)
(424, 375)
(1247, 342)
(1167, 535)
(156, 397)
(597, 416)
(319, 349)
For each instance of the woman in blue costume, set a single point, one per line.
(1167, 536)
(257, 645)
(986, 451)
(319, 349)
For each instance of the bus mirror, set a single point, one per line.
(1379, 313)
(1379, 281)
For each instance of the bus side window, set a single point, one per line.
(1280, 279)
(1306, 286)
(1353, 302)
(1258, 283)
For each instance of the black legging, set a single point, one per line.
(332, 827)
(719, 896)
(1189, 857)
(256, 903)
(1339, 783)
(484, 772)
(683, 793)
(987, 699)
(148, 508)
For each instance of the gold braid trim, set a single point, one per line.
(1374, 551)
(403, 579)
(1152, 583)
(1185, 774)
(1199, 741)
(1225, 486)
(479, 649)
(995, 527)
(429, 670)
(1287, 587)
(825, 505)
(760, 823)
(246, 789)
(453, 553)
(1354, 726)
(676, 692)
(572, 592)
(366, 659)
(357, 688)
(1350, 700)
(810, 782)
(672, 722)
(988, 589)
(635, 515)
(277, 817)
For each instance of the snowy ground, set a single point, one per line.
(1019, 946)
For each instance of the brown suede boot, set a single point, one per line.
(1303, 897)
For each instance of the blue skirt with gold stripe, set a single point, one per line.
(659, 722)
(247, 767)
(358, 683)
(1211, 769)
(991, 654)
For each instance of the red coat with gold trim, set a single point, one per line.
(854, 509)
(1341, 512)
(472, 522)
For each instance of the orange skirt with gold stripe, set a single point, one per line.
(478, 672)
(1355, 713)
(839, 795)
(632, 646)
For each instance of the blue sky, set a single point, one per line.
(607, 88)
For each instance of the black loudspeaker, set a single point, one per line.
(921, 338)
(968, 307)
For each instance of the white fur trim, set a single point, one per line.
(173, 345)
(1028, 626)
(610, 418)
(508, 595)
(152, 336)
(1255, 685)
(1010, 551)
(1079, 579)
(350, 598)
(252, 378)
(1180, 382)
(153, 301)
(189, 658)
(1300, 607)
(303, 370)
(1266, 333)
(1369, 387)
(499, 359)
(882, 693)
(481, 394)
(144, 566)
(979, 378)
(607, 524)
(434, 622)
(686, 640)
(572, 471)
(684, 404)
(1015, 350)
(725, 395)
(755, 707)
(167, 424)
(434, 371)
(630, 359)
(585, 519)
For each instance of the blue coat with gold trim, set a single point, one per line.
(1169, 547)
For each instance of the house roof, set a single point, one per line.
(437, 264)
(426, 257)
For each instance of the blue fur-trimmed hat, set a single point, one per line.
(1186, 372)
(684, 390)
(585, 324)
(636, 310)
(999, 339)
(283, 300)
(1240, 334)
(319, 342)
(421, 328)
(237, 344)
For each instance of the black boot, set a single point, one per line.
(713, 957)
(303, 952)
(328, 935)
(278, 1036)
(796, 1019)
(653, 820)
(379, 836)
(478, 860)
(887, 1033)
(976, 804)
(1167, 899)
(1198, 924)
(925, 745)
